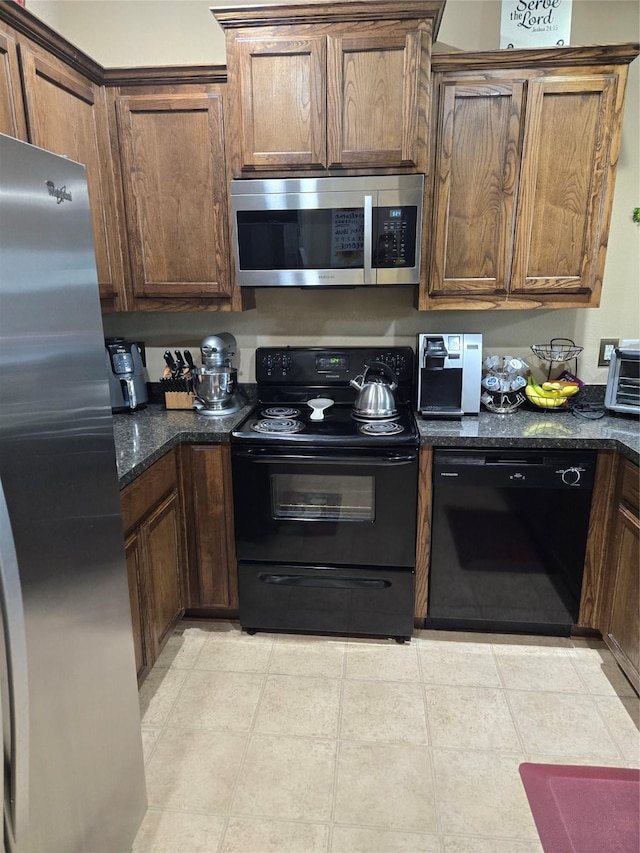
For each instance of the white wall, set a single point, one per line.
(174, 32)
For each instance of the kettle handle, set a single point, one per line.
(385, 369)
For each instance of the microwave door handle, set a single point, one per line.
(368, 238)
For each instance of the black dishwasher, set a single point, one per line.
(509, 532)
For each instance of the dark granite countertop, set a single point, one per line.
(143, 437)
(524, 428)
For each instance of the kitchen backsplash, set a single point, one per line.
(360, 317)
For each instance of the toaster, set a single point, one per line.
(622, 394)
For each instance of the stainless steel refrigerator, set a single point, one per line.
(74, 775)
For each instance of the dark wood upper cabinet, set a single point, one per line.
(519, 147)
(51, 96)
(333, 87)
(378, 93)
(66, 114)
(475, 184)
(174, 183)
(12, 118)
(155, 163)
(282, 93)
(526, 149)
(567, 136)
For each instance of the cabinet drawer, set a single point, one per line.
(630, 484)
(139, 497)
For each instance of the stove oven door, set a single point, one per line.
(326, 506)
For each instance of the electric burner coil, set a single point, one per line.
(278, 426)
(381, 428)
(280, 412)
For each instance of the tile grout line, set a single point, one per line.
(229, 810)
(432, 764)
(505, 693)
(336, 767)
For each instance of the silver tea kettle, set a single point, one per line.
(375, 399)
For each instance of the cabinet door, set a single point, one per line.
(12, 120)
(477, 161)
(66, 114)
(559, 240)
(172, 157)
(213, 582)
(135, 575)
(282, 102)
(622, 630)
(377, 94)
(164, 555)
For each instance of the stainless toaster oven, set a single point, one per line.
(623, 385)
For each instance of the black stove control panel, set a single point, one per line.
(272, 363)
(328, 366)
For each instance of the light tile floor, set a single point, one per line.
(291, 744)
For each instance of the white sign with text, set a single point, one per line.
(535, 23)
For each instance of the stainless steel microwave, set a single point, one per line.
(305, 232)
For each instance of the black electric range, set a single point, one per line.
(289, 377)
(325, 510)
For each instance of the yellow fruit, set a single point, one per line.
(570, 390)
(565, 389)
(548, 402)
(542, 398)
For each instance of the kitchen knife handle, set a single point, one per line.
(180, 362)
(13, 626)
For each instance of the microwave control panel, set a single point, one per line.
(395, 236)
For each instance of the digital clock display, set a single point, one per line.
(332, 363)
(395, 213)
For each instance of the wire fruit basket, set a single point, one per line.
(557, 351)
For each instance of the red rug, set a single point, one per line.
(584, 809)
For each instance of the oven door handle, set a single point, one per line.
(260, 455)
(324, 583)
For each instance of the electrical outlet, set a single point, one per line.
(607, 346)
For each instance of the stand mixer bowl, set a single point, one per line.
(215, 386)
(216, 381)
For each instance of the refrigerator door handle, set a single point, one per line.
(17, 796)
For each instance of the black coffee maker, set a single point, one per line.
(449, 375)
(127, 385)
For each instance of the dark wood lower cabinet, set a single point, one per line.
(133, 552)
(162, 536)
(154, 546)
(621, 630)
(213, 578)
(177, 565)
(423, 535)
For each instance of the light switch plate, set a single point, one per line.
(607, 346)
